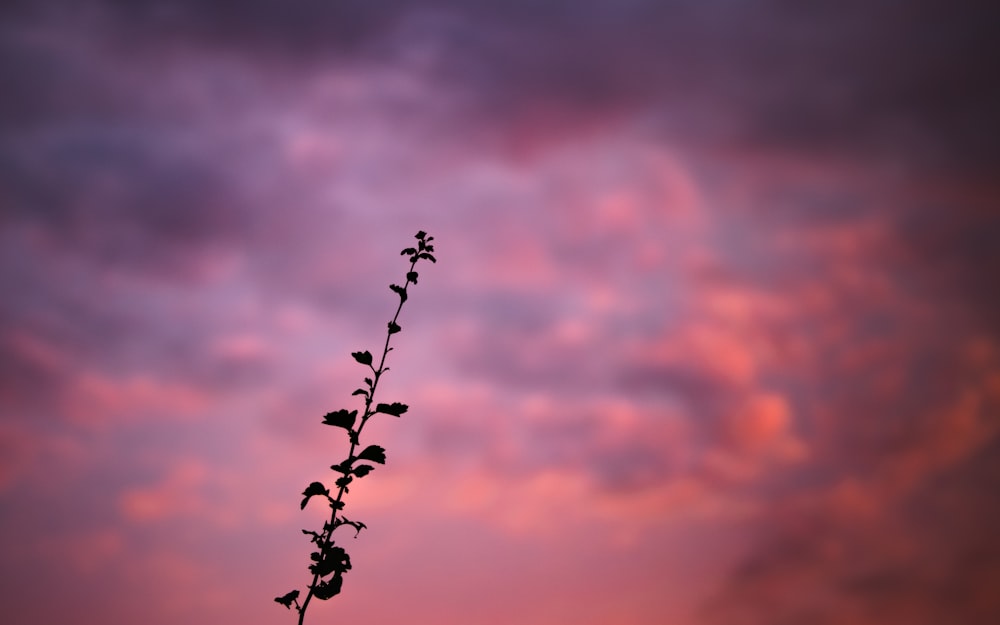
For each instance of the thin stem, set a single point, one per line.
(326, 538)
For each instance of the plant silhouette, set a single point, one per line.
(329, 560)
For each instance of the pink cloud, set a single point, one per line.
(690, 339)
(97, 399)
(19, 451)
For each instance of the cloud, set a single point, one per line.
(868, 80)
(879, 538)
(714, 307)
(850, 554)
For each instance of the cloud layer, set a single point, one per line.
(712, 338)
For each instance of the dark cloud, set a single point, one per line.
(698, 388)
(120, 195)
(952, 244)
(888, 520)
(888, 80)
(898, 80)
(925, 559)
(26, 377)
(301, 29)
(48, 84)
(903, 82)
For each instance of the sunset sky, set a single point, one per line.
(713, 337)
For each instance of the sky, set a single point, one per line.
(713, 337)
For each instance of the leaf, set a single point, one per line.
(286, 600)
(360, 391)
(373, 453)
(400, 291)
(329, 589)
(421, 234)
(408, 250)
(364, 357)
(323, 567)
(395, 408)
(315, 536)
(394, 327)
(344, 467)
(316, 488)
(342, 482)
(333, 559)
(411, 276)
(357, 525)
(341, 418)
(428, 257)
(363, 469)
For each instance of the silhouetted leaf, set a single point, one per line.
(400, 291)
(333, 559)
(315, 536)
(421, 234)
(364, 357)
(395, 408)
(341, 418)
(322, 567)
(344, 467)
(394, 327)
(360, 391)
(286, 600)
(428, 257)
(411, 276)
(373, 453)
(363, 469)
(408, 250)
(342, 482)
(316, 488)
(329, 589)
(358, 526)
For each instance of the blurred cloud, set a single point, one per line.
(712, 338)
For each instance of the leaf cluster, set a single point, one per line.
(330, 561)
